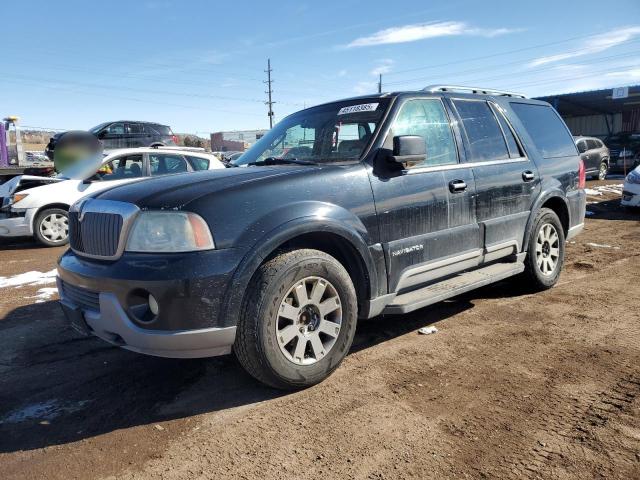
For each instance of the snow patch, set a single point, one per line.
(44, 294)
(601, 245)
(600, 189)
(32, 278)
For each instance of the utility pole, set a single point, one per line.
(269, 92)
(380, 83)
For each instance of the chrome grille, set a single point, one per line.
(99, 228)
(81, 297)
(98, 234)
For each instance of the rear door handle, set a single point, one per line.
(528, 176)
(456, 186)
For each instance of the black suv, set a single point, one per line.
(625, 150)
(125, 134)
(377, 204)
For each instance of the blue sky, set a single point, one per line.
(199, 65)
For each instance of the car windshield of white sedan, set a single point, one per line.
(337, 132)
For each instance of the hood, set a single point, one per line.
(176, 191)
(24, 182)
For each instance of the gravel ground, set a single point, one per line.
(514, 385)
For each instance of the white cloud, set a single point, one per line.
(631, 74)
(422, 31)
(363, 88)
(384, 66)
(596, 44)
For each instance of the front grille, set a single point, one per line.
(81, 297)
(98, 234)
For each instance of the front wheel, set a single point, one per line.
(602, 172)
(298, 319)
(545, 255)
(51, 227)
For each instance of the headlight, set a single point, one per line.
(17, 197)
(169, 232)
(633, 177)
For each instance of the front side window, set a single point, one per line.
(331, 133)
(115, 129)
(165, 164)
(121, 168)
(592, 144)
(485, 141)
(582, 146)
(428, 119)
(199, 163)
(546, 129)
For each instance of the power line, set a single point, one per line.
(269, 92)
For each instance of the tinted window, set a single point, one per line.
(115, 129)
(512, 144)
(123, 167)
(428, 119)
(582, 146)
(134, 128)
(592, 144)
(164, 164)
(199, 163)
(159, 129)
(546, 129)
(484, 137)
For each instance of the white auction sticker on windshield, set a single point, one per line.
(364, 107)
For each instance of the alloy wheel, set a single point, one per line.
(309, 321)
(547, 249)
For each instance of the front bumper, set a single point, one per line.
(16, 225)
(100, 298)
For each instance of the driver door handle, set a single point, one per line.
(457, 186)
(528, 176)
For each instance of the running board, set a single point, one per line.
(464, 282)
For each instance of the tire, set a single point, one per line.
(538, 273)
(602, 171)
(56, 232)
(274, 322)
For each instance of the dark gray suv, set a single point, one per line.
(126, 134)
(380, 204)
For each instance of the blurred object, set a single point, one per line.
(77, 152)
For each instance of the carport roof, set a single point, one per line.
(593, 102)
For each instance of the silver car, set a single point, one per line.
(595, 156)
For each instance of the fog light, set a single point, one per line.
(153, 305)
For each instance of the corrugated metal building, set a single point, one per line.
(599, 113)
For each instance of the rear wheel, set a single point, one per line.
(545, 255)
(51, 227)
(298, 319)
(602, 172)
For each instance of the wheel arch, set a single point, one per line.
(327, 235)
(555, 201)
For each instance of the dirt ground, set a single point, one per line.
(514, 385)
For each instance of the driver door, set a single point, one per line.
(426, 213)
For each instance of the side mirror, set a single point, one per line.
(409, 149)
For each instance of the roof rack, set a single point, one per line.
(457, 88)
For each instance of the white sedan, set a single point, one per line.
(38, 206)
(631, 189)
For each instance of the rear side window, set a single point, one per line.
(546, 129)
(484, 136)
(160, 129)
(199, 163)
(164, 164)
(512, 144)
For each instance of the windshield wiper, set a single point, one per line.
(281, 161)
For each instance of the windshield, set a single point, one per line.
(97, 128)
(337, 132)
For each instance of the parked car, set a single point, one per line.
(394, 202)
(38, 206)
(625, 151)
(125, 134)
(631, 189)
(595, 156)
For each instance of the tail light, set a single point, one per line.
(175, 139)
(582, 175)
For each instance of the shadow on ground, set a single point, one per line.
(612, 210)
(58, 387)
